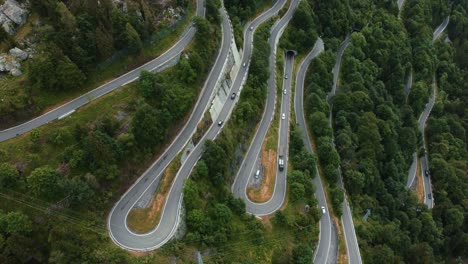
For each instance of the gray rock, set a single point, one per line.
(3, 60)
(18, 53)
(15, 12)
(8, 26)
(12, 14)
(10, 64)
(16, 72)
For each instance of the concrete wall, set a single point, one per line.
(223, 87)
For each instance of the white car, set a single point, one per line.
(286, 76)
(323, 210)
(283, 116)
(251, 28)
(284, 91)
(244, 64)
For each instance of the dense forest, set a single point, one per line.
(58, 192)
(375, 129)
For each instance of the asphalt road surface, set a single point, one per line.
(440, 28)
(131, 76)
(400, 3)
(327, 248)
(428, 196)
(352, 246)
(249, 163)
(117, 224)
(425, 160)
(170, 217)
(336, 68)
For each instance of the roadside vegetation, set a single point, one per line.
(81, 45)
(216, 220)
(446, 137)
(376, 132)
(62, 179)
(241, 11)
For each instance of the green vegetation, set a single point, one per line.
(376, 132)
(219, 222)
(80, 46)
(72, 171)
(240, 11)
(446, 134)
(302, 30)
(60, 181)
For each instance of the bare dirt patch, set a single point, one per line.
(264, 193)
(419, 183)
(143, 220)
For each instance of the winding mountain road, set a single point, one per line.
(440, 28)
(170, 217)
(117, 220)
(352, 246)
(250, 161)
(106, 88)
(428, 196)
(327, 248)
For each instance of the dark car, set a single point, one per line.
(429, 196)
(233, 95)
(426, 172)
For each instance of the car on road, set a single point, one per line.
(284, 91)
(257, 174)
(251, 28)
(283, 116)
(244, 64)
(429, 196)
(426, 172)
(323, 210)
(233, 95)
(286, 76)
(220, 123)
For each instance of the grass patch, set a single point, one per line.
(269, 164)
(143, 220)
(419, 182)
(22, 150)
(202, 127)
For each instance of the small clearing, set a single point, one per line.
(419, 183)
(265, 192)
(143, 220)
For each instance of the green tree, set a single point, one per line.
(213, 157)
(8, 175)
(320, 125)
(149, 126)
(150, 86)
(45, 182)
(191, 199)
(17, 223)
(302, 254)
(297, 191)
(52, 70)
(132, 39)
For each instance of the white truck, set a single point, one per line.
(281, 159)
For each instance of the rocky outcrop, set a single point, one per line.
(19, 54)
(11, 62)
(12, 15)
